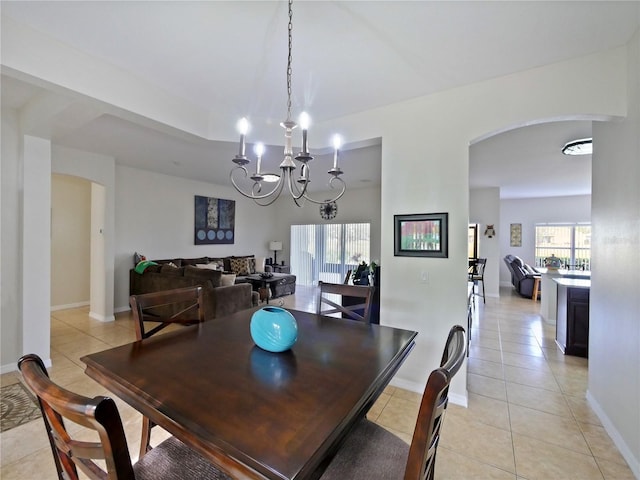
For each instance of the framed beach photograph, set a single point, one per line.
(421, 235)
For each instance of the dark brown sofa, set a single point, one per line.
(218, 300)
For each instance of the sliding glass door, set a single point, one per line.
(326, 252)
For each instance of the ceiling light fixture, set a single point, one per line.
(583, 146)
(298, 187)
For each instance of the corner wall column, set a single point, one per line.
(36, 247)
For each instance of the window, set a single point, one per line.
(326, 252)
(569, 242)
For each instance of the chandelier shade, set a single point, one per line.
(264, 188)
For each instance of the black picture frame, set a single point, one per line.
(421, 235)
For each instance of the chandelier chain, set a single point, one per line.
(289, 60)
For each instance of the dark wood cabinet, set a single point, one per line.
(572, 320)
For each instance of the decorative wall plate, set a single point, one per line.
(329, 210)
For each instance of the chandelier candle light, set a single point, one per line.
(297, 188)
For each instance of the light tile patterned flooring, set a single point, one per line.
(527, 416)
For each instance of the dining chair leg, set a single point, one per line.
(146, 436)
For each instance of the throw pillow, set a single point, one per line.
(260, 261)
(143, 265)
(252, 265)
(227, 279)
(219, 262)
(207, 266)
(240, 266)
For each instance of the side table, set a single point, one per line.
(281, 268)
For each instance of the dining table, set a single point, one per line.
(255, 413)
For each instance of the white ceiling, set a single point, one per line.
(229, 57)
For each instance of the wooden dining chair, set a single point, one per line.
(372, 452)
(359, 295)
(183, 306)
(170, 460)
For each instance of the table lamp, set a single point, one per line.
(276, 247)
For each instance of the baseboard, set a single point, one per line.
(625, 451)
(68, 306)
(458, 399)
(102, 318)
(407, 385)
(13, 367)
(122, 309)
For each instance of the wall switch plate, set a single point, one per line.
(424, 277)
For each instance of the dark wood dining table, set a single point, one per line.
(254, 413)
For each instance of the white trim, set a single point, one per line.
(102, 318)
(121, 309)
(618, 440)
(55, 308)
(456, 398)
(13, 367)
(461, 400)
(407, 385)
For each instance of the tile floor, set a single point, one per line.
(527, 415)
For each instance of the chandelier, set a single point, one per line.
(266, 187)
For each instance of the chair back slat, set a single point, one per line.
(422, 452)
(99, 414)
(327, 306)
(181, 305)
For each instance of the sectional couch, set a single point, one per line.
(226, 284)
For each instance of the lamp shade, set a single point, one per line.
(275, 246)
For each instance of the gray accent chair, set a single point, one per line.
(522, 275)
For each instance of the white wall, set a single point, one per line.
(614, 322)
(484, 209)
(10, 243)
(70, 246)
(528, 212)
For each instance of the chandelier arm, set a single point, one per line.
(294, 191)
(342, 190)
(275, 194)
(252, 195)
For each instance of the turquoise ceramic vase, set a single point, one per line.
(274, 329)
